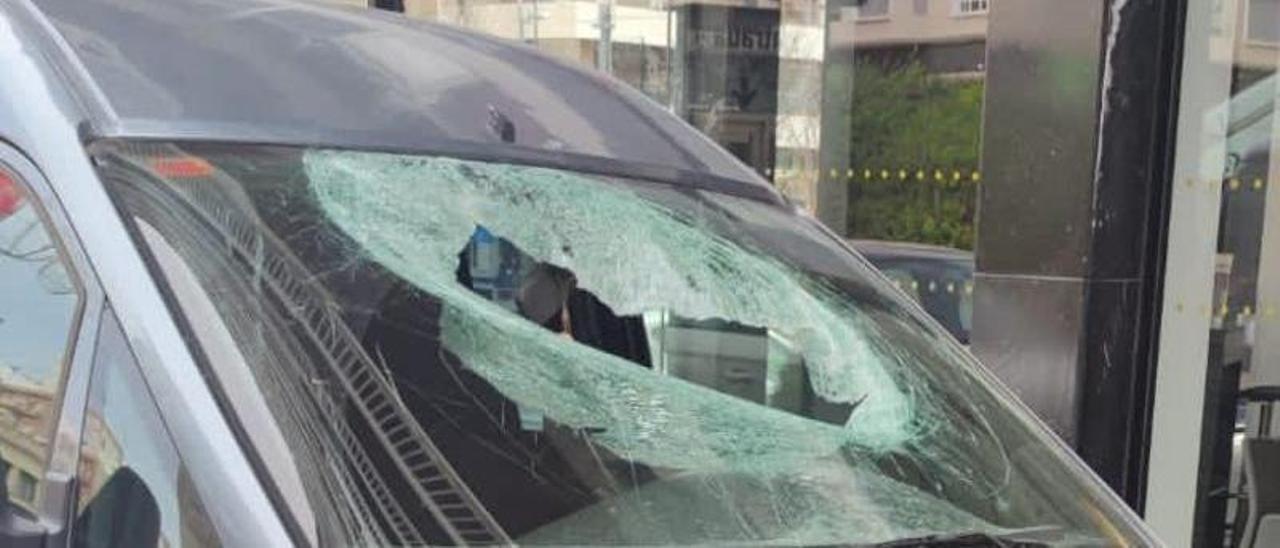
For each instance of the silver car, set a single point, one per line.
(275, 273)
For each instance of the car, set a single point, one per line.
(280, 273)
(939, 278)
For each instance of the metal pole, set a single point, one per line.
(536, 17)
(604, 52)
(671, 54)
(520, 19)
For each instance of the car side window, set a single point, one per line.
(134, 487)
(39, 306)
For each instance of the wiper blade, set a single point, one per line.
(964, 540)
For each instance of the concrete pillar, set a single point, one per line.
(809, 142)
(1072, 171)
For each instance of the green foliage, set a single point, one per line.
(906, 119)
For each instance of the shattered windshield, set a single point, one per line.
(453, 351)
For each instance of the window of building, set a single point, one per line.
(38, 307)
(25, 487)
(873, 9)
(1264, 21)
(971, 7)
(389, 5)
(135, 490)
(921, 7)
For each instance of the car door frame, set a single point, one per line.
(58, 485)
(59, 491)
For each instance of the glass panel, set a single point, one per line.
(870, 9)
(1264, 21)
(525, 367)
(866, 112)
(1220, 361)
(966, 7)
(134, 489)
(38, 307)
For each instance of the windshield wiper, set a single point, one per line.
(965, 540)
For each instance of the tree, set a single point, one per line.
(905, 120)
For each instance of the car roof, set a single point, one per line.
(293, 72)
(889, 250)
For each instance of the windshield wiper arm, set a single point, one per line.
(963, 540)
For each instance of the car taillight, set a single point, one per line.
(11, 195)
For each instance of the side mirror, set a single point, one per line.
(18, 527)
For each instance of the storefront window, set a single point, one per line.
(1220, 362)
(868, 113)
(872, 9)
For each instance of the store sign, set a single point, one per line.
(731, 59)
(736, 39)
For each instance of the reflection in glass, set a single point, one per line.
(133, 487)
(38, 304)
(866, 112)
(916, 82)
(1226, 222)
(1243, 341)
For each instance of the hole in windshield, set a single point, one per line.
(746, 361)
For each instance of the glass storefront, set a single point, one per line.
(866, 113)
(1219, 370)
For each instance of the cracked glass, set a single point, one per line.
(455, 351)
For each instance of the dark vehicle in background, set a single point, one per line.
(278, 273)
(939, 278)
